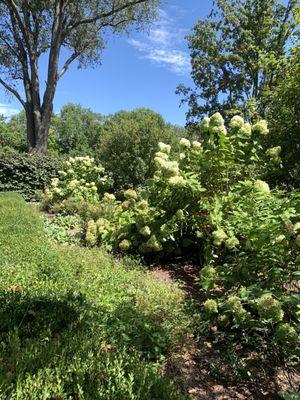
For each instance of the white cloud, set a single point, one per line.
(163, 45)
(8, 111)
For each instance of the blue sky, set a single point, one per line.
(139, 70)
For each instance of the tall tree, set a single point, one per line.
(32, 28)
(76, 130)
(237, 55)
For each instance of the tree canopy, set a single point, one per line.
(238, 54)
(30, 29)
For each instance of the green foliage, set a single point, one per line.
(285, 125)
(162, 216)
(75, 130)
(27, 173)
(238, 54)
(77, 324)
(209, 196)
(255, 275)
(63, 229)
(128, 142)
(12, 134)
(80, 179)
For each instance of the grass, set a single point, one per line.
(77, 324)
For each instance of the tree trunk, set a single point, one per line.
(30, 128)
(37, 131)
(42, 135)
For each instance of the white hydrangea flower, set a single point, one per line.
(164, 148)
(236, 122)
(261, 127)
(232, 243)
(54, 182)
(182, 156)
(246, 130)
(219, 237)
(197, 145)
(280, 239)
(170, 167)
(180, 214)
(109, 197)
(162, 155)
(145, 231)
(177, 181)
(274, 152)
(204, 126)
(262, 186)
(73, 183)
(219, 130)
(57, 190)
(130, 194)
(297, 227)
(185, 143)
(99, 169)
(216, 120)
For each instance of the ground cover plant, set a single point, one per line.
(75, 323)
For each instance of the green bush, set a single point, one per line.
(27, 173)
(210, 197)
(252, 253)
(167, 214)
(80, 179)
(77, 324)
(128, 142)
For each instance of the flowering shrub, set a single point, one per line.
(168, 213)
(80, 179)
(251, 247)
(211, 194)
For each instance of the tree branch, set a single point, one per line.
(77, 54)
(14, 9)
(103, 15)
(13, 91)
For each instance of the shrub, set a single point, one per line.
(255, 264)
(211, 195)
(168, 212)
(80, 179)
(77, 324)
(27, 173)
(128, 143)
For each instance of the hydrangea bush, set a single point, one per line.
(168, 214)
(252, 265)
(80, 179)
(211, 195)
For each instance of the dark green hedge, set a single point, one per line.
(26, 173)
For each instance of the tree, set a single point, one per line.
(128, 142)
(13, 133)
(238, 54)
(284, 118)
(76, 130)
(30, 29)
